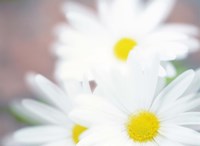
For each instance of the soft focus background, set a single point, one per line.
(26, 36)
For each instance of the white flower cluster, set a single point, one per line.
(126, 49)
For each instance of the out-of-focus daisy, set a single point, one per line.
(127, 111)
(56, 128)
(120, 26)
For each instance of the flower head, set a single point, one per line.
(132, 109)
(56, 127)
(119, 27)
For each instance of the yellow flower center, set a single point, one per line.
(143, 127)
(123, 47)
(77, 131)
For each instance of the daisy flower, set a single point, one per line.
(126, 110)
(56, 128)
(107, 38)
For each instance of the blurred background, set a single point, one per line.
(26, 36)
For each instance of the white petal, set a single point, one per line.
(87, 117)
(95, 111)
(173, 91)
(68, 142)
(162, 72)
(76, 7)
(95, 136)
(122, 140)
(183, 104)
(73, 88)
(195, 85)
(145, 77)
(189, 118)
(103, 7)
(189, 103)
(161, 84)
(130, 8)
(73, 69)
(126, 90)
(68, 36)
(181, 134)
(169, 50)
(46, 112)
(41, 134)
(193, 44)
(87, 24)
(170, 34)
(168, 70)
(182, 28)
(87, 88)
(156, 12)
(20, 110)
(171, 70)
(162, 141)
(162, 35)
(101, 136)
(99, 104)
(123, 15)
(52, 93)
(124, 96)
(109, 86)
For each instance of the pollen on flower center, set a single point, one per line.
(77, 131)
(143, 127)
(123, 47)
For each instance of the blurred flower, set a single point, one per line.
(119, 28)
(56, 128)
(127, 109)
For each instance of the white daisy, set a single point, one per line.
(56, 128)
(128, 111)
(106, 38)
